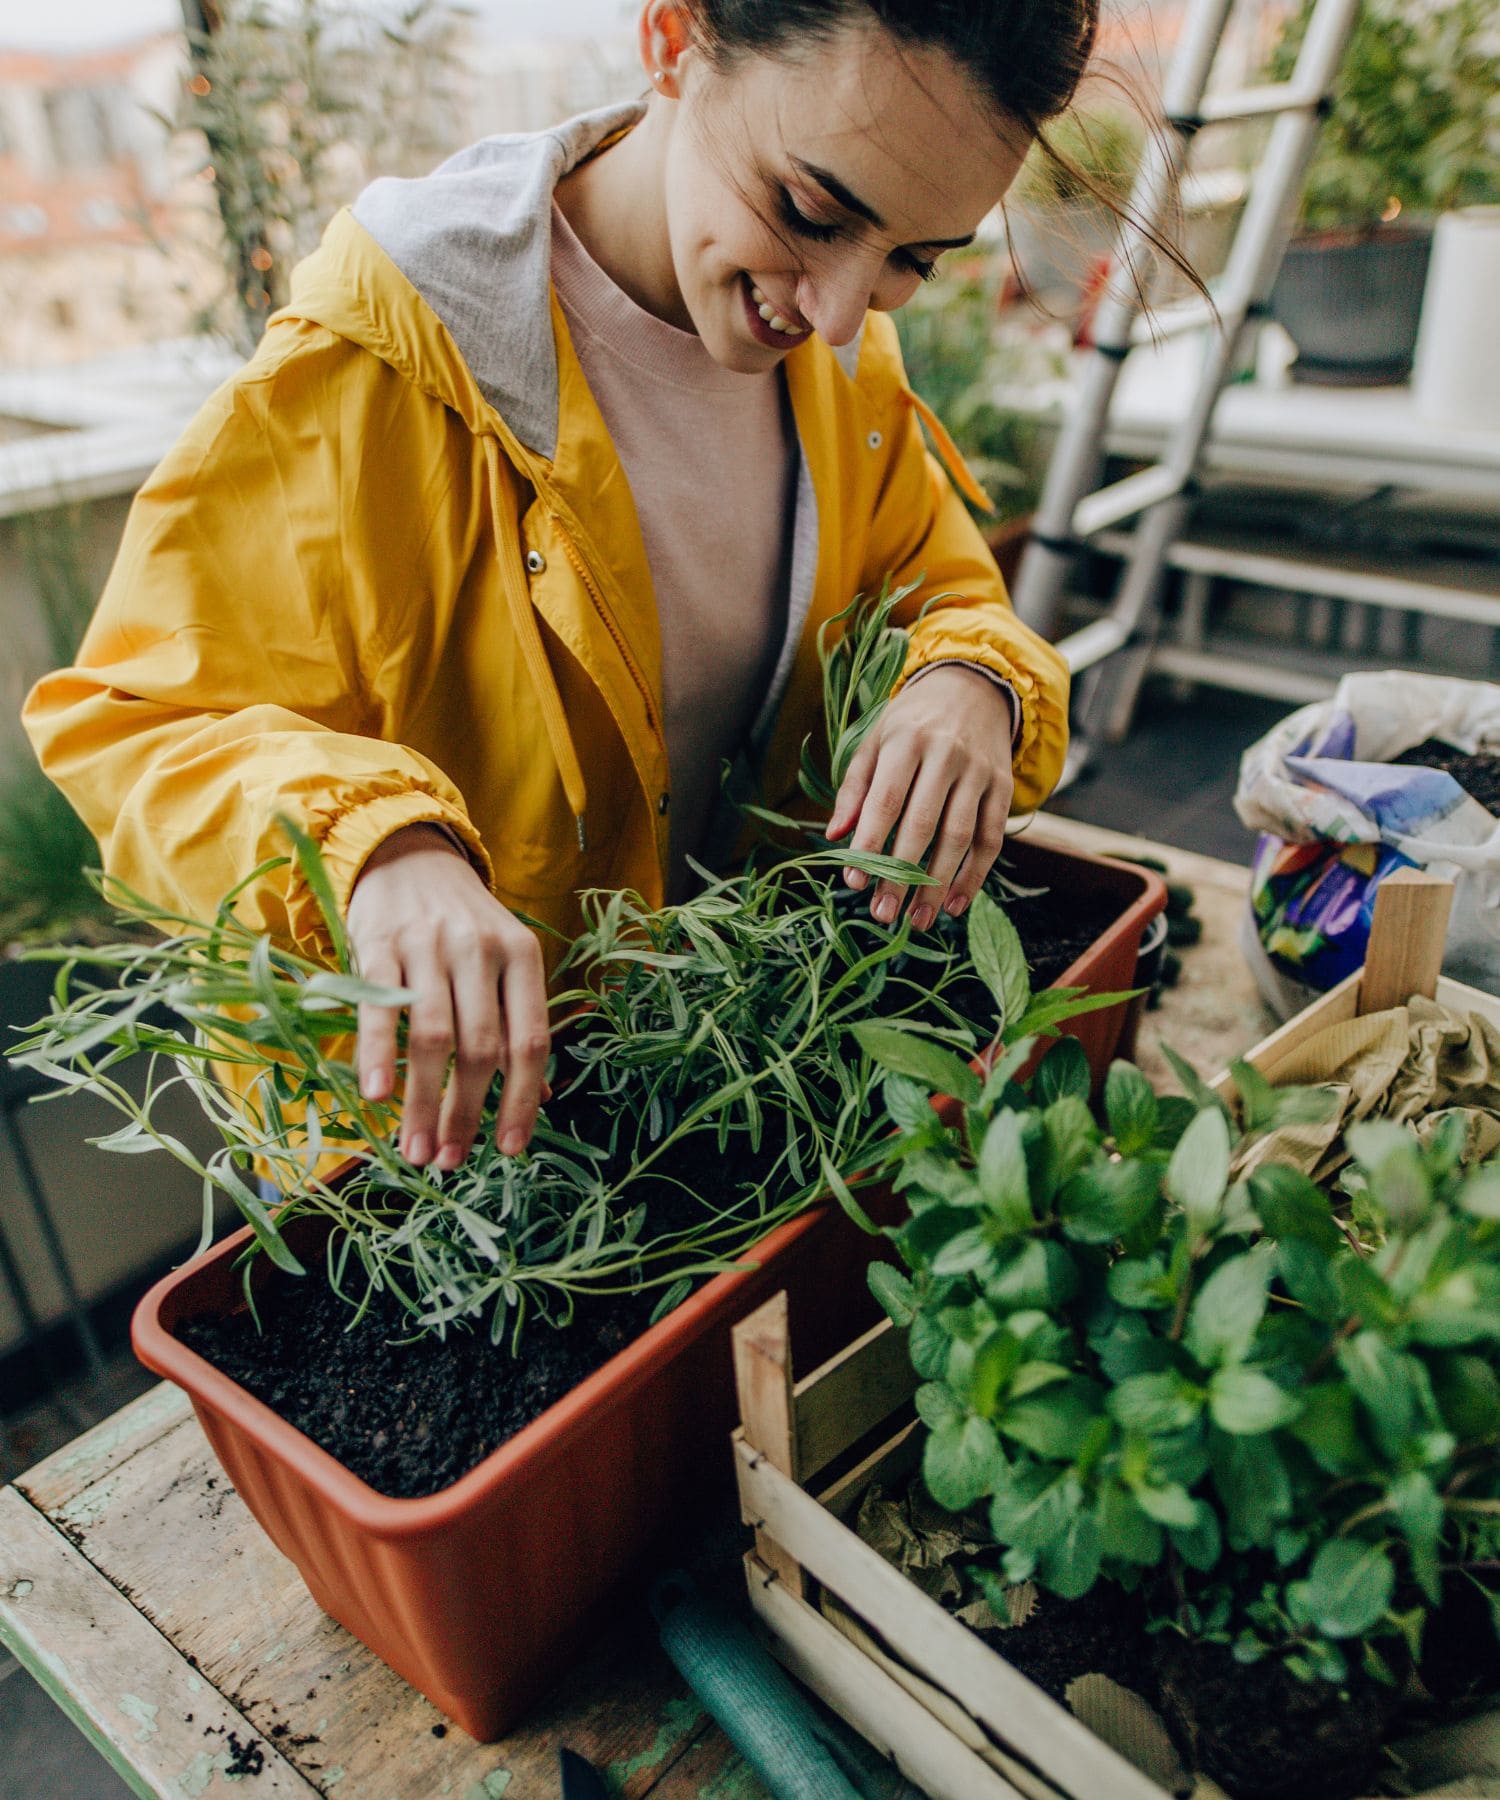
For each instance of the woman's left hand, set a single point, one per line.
(939, 761)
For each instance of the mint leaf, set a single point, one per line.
(1347, 1590)
(1198, 1172)
(1246, 1402)
(1130, 1107)
(909, 1053)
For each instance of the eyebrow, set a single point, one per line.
(852, 203)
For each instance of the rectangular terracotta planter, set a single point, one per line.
(478, 1595)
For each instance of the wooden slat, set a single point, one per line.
(1408, 931)
(852, 1393)
(861, 1693)
(140, 1703)
(763, 1382)
(935, 1645)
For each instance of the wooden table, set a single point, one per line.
(138, 1590)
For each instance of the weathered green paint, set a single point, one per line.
(678, 1718)
(18, 1589)
(492, 1787)
(332, 1777)
(196, 1777)
(144, 1714)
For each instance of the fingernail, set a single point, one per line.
(546, 1090)
(956, 905)
(922, 917)
(856, 878)
(513, 1142)
(420, 1151)
(450, 1156)
(377, 1084)
(884, 908)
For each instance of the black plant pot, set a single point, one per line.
(1352, 302)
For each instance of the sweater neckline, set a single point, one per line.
(597, 305)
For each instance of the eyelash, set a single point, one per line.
(824, 232)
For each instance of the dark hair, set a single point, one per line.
(1027, 57)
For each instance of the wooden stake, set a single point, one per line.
(763, 1380)
(1407, 935)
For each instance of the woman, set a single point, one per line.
(527, 511)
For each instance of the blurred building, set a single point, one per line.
(89, 190)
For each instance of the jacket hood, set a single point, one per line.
(474, 241)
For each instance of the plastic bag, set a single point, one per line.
(1336, 818)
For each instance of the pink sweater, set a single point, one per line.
(711, 457)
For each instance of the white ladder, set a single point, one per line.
(1115, 649)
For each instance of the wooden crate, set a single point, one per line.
(944, 1695)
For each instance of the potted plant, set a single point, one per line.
(463, 1508)
(1196, 1426)
(1410, 135)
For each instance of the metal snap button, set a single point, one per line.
(535, 561)
(874, 440)
(663, 803)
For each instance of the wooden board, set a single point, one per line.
(141, 1704)
(141, 1515)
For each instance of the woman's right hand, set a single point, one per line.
(421, 918)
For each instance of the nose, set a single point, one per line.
(835, 300)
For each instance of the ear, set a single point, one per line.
(665, 38)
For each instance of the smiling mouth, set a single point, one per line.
(777, 322)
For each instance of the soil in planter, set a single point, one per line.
(408, 1415)
(1099, 1634)
(1258, 1730)
(1264, 1733)
(1478, 774)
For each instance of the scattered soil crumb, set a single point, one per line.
(440, 1731)
(245, 1759)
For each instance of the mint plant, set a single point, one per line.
(1280, 1429)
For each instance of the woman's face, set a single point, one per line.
(811, 188)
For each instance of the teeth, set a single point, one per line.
(772, 317)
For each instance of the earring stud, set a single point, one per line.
(660, 75)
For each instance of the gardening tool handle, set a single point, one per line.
(755, 1702)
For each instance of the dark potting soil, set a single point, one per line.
(1478, 775)
(409, 1417)
(1260, 1732)
(1099, 1634)
(1265, 1734)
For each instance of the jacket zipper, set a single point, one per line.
(601, 606)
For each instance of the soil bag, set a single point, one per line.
(1336, 815)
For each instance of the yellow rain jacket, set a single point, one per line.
(392, 572)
